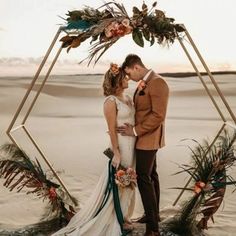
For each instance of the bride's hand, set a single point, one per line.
(116, 161)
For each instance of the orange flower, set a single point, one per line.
(114, 69)
(126, 178)
(120, 173)
(141, 85)
(199, 186)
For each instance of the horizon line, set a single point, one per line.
(167, 74)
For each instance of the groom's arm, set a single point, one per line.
(159, 93)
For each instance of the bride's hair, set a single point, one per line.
(112, 80)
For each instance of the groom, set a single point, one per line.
(150, 101)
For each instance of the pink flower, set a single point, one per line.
(115, 29)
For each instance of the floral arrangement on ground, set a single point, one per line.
(209, 172)
(21, 172)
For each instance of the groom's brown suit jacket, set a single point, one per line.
(150, 113)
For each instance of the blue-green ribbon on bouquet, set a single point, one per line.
(112, 186)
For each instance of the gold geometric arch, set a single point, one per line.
(11, 129)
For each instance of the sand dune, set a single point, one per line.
(67, 122)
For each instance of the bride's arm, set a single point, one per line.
(110, 112)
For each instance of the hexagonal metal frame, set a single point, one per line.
(10, 129)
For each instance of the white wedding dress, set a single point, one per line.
(105, 223)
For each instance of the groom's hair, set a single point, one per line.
(131, 60)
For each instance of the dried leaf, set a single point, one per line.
(66, 38)
(136, 11)
(154, 4)
(66, 41)
(144, 6)
(179, 28)
(75, 43)
(160, 14)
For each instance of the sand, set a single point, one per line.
(68, 124)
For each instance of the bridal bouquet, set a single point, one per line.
(126, 178)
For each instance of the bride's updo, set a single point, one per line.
(113, 80)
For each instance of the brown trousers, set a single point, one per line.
(148, 184)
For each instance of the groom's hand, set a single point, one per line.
(125, 130)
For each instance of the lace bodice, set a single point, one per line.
(125, 114)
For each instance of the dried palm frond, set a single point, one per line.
(210, 206)
(118, 11)
(20, 172)
(209, 176)
(96, 48)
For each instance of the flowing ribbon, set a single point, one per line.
(107, 192)
(112, 186)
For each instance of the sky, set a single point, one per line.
(27, 28)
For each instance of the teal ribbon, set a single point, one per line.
(79, 25)
(112, 186)
(222, 184)
(107, 192)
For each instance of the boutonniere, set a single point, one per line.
(142, 85)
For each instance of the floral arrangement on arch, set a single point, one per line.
(107, 26)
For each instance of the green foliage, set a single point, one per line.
(138, 37)
(151, 25)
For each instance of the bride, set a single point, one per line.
(92, 220)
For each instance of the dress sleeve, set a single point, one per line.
(113, 98)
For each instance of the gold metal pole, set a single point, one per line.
(231, 125)
(16, 128)
(202, 80)
(42, 85)
(49, 164)
(33, 82)
(211, 77)
(188, 182)
(9, 130)
(209, 94)
(14, 141)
